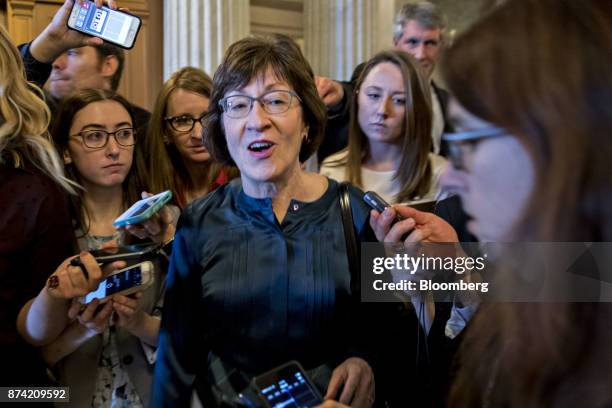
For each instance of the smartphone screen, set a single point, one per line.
(111, 25)
(144, 206)
(287, 387)
(116, 283)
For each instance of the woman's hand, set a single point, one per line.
(356, 379)
(331, 404)
(420, 226)
(71, 281)
(160, 227)
(131, 317)
(128, 314)
(94, 318)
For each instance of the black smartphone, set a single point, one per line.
(114, 26)
(379, 204)
(126, 252)
(287, 386)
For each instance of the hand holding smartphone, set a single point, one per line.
(287, 386)
(379, 204)
(123, 282)
(143, 209)
(114, 26)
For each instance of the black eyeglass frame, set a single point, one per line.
(108, 135)
(169, 120)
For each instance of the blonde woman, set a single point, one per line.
(35, 229)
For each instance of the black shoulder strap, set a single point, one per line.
(352, 251)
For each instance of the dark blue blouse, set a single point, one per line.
(255, 292)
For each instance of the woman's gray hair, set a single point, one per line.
(425, 13)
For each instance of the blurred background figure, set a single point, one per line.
(531, 162)
(35, 232)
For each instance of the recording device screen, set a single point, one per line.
(288, 387)
(114, 26)
(116, 283)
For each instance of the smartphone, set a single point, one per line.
(143, 209)
(379, 204)
(123, 282)
(287, 386)
(114, 26)
(126, 252)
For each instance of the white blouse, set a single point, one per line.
(382, 182)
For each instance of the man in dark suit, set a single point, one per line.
(418, 30)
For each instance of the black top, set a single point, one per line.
(255, 292)
(35, 237)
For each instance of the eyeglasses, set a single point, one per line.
(184, 123)
(273, 102)
(97, 139)
(461, 142)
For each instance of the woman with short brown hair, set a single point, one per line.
(259, 272)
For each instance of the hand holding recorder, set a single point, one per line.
(151, 218)
(127, 281)
(72, 279)
(391, 223)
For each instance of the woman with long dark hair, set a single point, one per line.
(94, 133)
(389, 148)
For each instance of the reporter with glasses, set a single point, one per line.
(531, 163)
(176, 158)
(105, 351)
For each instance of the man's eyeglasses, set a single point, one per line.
(273, 102)
(184, 123)
(98, 138)
(460, 142)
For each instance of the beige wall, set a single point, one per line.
(278, 16)
(142, 73)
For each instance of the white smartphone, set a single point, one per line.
(123, 282)
(143, 209)
(114, 26)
